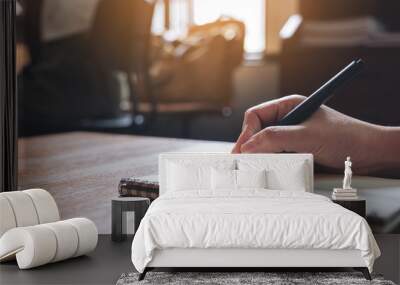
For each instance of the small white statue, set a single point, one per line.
(348, 173)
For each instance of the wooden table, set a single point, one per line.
(82, 170)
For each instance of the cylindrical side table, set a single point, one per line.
(122, 207)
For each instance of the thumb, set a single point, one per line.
(251, 126)
(277, 139)
(245, 135)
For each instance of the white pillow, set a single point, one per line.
(223, 179)
(281, 175)
(188, 177)
(226, 179)
(292, 179)
(251, 178)
(187, 174)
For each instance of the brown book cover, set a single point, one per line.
(143, 186)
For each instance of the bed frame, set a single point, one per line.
(246, 259)
(242, 259)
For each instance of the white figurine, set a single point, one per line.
(347, 192)
(348, 173)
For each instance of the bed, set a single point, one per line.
(247, 211)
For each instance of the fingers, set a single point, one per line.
(243, 137)
(266, 113)
(251, 125)
(272, 111)
(277, 139)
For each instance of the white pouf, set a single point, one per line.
(46, 207)
(7, 216)
(23, 208)
(31, 232)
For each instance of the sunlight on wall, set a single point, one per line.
(251, 12)
(158, 19)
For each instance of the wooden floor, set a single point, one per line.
(82, 170)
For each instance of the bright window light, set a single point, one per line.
(157, 27)
(251, 12)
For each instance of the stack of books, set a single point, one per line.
(344, 194)
(140, 186)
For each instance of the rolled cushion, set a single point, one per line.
(87, 235)
(26, 208)
(7, 218)
(37, 245)
(46, 207)
(67, 240)
(23, 208)
(33, 246)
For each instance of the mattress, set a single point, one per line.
(253, 219)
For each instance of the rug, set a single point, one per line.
(244, 278)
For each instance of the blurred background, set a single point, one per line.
(190, 68)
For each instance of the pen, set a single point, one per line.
(310, 105)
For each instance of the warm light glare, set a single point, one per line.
(251, 12)
(158, 19)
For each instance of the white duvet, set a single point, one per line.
(250, 219)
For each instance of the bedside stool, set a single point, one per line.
(358, 206)
(124, 211)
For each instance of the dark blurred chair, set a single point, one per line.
(120, 42)
(57, 90)
(76, 75)
(372, 96)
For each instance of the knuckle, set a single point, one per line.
(271, 132)
(271, 136)
(248, 113)
(296, 97)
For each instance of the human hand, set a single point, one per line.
(329, 135)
